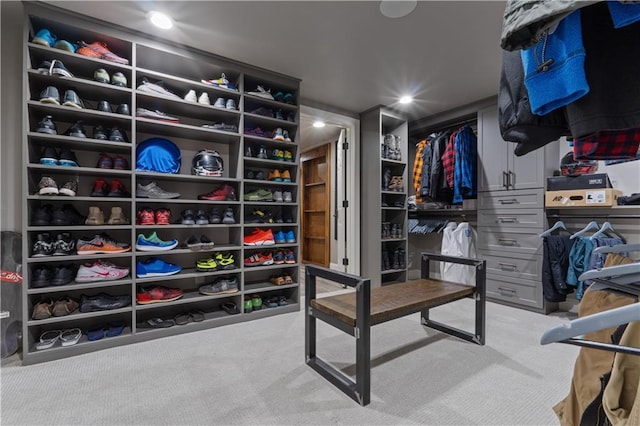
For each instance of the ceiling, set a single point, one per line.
(349, 57)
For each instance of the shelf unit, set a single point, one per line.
(381, 204)
(180, 69)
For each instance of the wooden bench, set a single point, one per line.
(355, 313)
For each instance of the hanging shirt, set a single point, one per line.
(458, 240)
(579, 259)
(437, 170)
(464, 176)
(555, 263)
(418, 164)
(449, 159)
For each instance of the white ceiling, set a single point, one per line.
(349, 56)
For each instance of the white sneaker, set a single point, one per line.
(204, 99)
(220, 103)
(277, 197)
(100, 271)
(260, 92)
(231, 104)
(286, 195)
(191, 96)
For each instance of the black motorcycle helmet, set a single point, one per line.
(207, 163)
(571, 167)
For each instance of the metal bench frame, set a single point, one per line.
(360, 389)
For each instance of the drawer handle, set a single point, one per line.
(510, 201)
(505, 179)
(507, 219)
(510, 291)
(509, 241)
(511, 266)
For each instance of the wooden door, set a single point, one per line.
(316, 205)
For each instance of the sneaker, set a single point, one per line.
(117, 135)
(67, 158)
(63, 274)
(201, 218)
(145, 216)
(156, 88)
(118, 79)
(222, 126)
(163, 216)
(101, 244)
(123, 109)
(118, 189)
(191, 96)
(42, 246)
(248, 305)
(287, 216)
(193, 243)
(55, 67)
(204, 99)
(49, 156)
(277, 154)
(120, 163)
(274, 175)
(225, 261)
(208, 264)
(259, 259)
(229, 217)
(69, 188)
(259, 237)
(64, 245)
(117, 217)
(100, 270)
(266, 112)
(214, 216)
(288, 98)
(288, 156)
(222, 285)
(187, 217)
(41, 216)
(41, 276)
(67, 215)
(101, 76)
(46, 125)
(65, 45)
(157, 294)
(104, 106)
(262, 153)
(279, 237)
(220, 103)
(259, 216)
(287, 196)
(153, 243)
(96, 216)
(44, 37)
(152, 190)
(47, 186)
(221, 82)
(290, 237)
(222, 193)
(105, 162)
(286, 176)
(76, 130)
(231, 104)
(156, 115)
(259, 195)
(291, 117)
(278, 96)
(277, 135)
(285, 134)
(99, 49)
(50, 95)
(279, 115)
(277, 197)
(278, 257)
(72, 99)
(260, 92)
(289, 257)
(255, 132)
(100, 188)
(63, 307)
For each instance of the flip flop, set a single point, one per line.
(48, 339)
(277, 280)
(197, 316)
(230, 308)
(70, 337)
(157, 323)
(287, 279)
(114, 329)
(96, 333)
(182, 318)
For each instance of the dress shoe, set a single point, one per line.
(104, 106)
(123, 109)
(103, 302)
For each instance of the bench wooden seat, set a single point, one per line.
(355, 313)
(395, 300)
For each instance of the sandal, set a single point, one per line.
(114, 329)
(48, 339)
(157, 323)
(287, 279)
(230, 308)
(96, 333)
(196, 316)
(277, 280)
(70, 337)
(182, 318)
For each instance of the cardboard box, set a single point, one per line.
(603, 197)
(592, 181)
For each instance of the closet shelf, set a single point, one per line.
(187, 297)
(79, 286)
(85, 257)
(79, 315)
(185, 274)
(142, 201)
(184, 177)
(315, 184)
(153, 127)
(71, 228)
(258, 119)
(67, 199)
(266, 286)
(65, 170)
(202, 253)
(72, 114)
(84, 144)
(186, 84)
(187, 107)
(258, 162)
(80, 84)
(70, 59)
(264, 101)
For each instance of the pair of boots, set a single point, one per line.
(396, 184)
(390, 149)
(96, 217)
(395, 259)
(391, 230)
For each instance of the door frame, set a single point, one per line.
(353, 180)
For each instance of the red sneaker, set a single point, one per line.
(259, 259)
(98, 49)
(163, 217)
(145, 217)
(222, 193)
(157, 294)
(259, 237)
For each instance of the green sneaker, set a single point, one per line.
(101, 75)
(118, 79)
(277, 154)
(207, 265)
(256, 302)
(259, 195)
(248, 304)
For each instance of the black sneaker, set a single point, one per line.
(67, 158)
(71, 99)
(69, 188)
(41, 276)
(214, 216)
(50, 95)
(249, 174)
(58, 68)
(42, 215)
(67, 215)
(76, 130)
(64, 245)
(49, 156)
(63, 274)
(228, 217)
(46, 125)
(100, 133)
(123, 109)
(260, 175)
(117, 135)
(187, 217)
(201, 218)
(42, 246)
(104, 106)
(286, 215)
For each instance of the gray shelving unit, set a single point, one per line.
(181, 69)
(378, 203)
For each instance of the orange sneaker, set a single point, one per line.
(274, 175)
(286, 176)
(101, 244)
(98, 49)
(259, 237)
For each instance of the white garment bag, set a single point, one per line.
(458, 240)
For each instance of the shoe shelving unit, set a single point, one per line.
(381, 204)
(181, 69)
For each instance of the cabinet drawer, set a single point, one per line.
(521, 199)
(513, 290)
(513, 240)
(513, 265)
(533, 218)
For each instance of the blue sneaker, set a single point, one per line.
(153, 243)
(155, 267)
(65, 45)
(290, 237)
(279, 237)
(278, 257)
(44, 37)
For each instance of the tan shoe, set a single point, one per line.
(96, 216)
(117, 217)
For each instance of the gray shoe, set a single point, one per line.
(152, 190)
(220, 286)
(156, 115)
(228, 216)
(287, 197)
(277, 197)
(156, 88)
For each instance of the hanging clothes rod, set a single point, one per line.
(593, 216)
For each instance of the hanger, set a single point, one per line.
(558, 225)
(623, 274)
(590, 226)
(607, 229)
(620, 248)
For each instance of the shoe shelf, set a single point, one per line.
(269, 103)
(42, 139)
(98, 89)
(73, 60)
(392, 271)
(86, 257)
(84, 342)
(270, 267)
(179, 176)
(259, 287)
(144, 228)
(187, 297)
(267, 204)
(167, 129)
(393, 208)
(261, 120)
(271, 142)
(394, 193)
(393, 162)
(272, 246)
(68, 199)
(79, 286)
(181, 85)
(142, 201)
(214, 249)
(248, 225)
(66, 170)
(73, 228)
(268, 163)
(72, 114)
(187, 273)
(79, 316)
(183, 108)
(269, 183)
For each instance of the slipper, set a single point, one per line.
(95, 333)
(114, 329)
(282, 301)
(197, 316)
(70, 337)
(287, 279)
(182, 318)
(157, 323)
(271, 302)
(230, 308)
(48, 339)
(277, 280)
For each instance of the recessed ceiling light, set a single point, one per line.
(160, 20)
(318, 124)
(406, 100)
(397, 9)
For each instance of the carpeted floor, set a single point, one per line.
(254, 373)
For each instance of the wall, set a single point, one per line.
(11, 79)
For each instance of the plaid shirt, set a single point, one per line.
(449, 159)
(607, 145)
(418, 164)
(464, 176)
